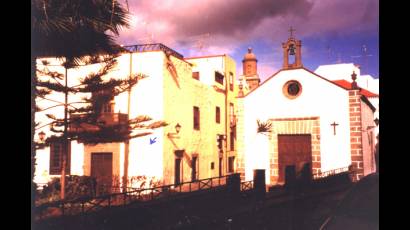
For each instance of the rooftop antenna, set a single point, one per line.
(339, 58)
(149, 38)
(199, 41)
(328, 50)
(363, 57)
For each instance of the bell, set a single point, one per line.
(291, 50)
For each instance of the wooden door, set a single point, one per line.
(220, 166)
(194, 176)
(177, 171)
(293, 150)
(101, 169)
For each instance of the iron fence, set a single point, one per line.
(246, 186)
(332, 172)
(116, 197)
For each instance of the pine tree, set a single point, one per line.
(69, 29)
(86, 123)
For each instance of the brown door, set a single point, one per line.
(177, 171)
(101, 169)
(293, 150)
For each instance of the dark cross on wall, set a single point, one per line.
(334, 127)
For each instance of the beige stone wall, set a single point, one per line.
(179, 100)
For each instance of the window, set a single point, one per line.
(194, 165)
(196, 118)
(218, 115)
(231, 161)
(212, 165)
(195, 75)
(56, 158)
(231, 81)
(292, 89)
(232, 140)
(108, 107)
(219, 78)
(232, 114)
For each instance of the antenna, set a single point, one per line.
(339, 58)
(363, 57)
(149, 37)
(328, 50)
(198, 41)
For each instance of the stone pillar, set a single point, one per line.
(234, 183)
(285, 56)
(290, 177)
(356, 133)
(259, 185)
(298, 61)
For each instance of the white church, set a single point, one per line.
(321, 119)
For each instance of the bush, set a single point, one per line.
(76, 186)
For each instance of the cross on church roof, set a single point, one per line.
(291, 30)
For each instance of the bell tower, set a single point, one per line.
(250, 72)
(292, 55)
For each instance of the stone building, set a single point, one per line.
(195, 96)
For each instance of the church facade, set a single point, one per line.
(314, 122)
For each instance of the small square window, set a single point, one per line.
(219, 78)
(195, 75)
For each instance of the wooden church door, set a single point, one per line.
(293, 150)
(101, 169)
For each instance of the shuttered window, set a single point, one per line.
(218, 115)
(196, 118)
(56, 158)
(219, 78)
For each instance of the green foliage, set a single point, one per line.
(87, 113)
(264, 127)
(76, 186)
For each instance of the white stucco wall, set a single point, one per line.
(319, 98)
(338, 71)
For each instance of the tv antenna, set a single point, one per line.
(149, 37)
(339, 58)
(198, 41)
(363, 57)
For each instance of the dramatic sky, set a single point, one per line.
(332, 31)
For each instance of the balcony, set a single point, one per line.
(108, 119)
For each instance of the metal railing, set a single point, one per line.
(331, 172)
(153, 47)
(93, 203)
(246, 185)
